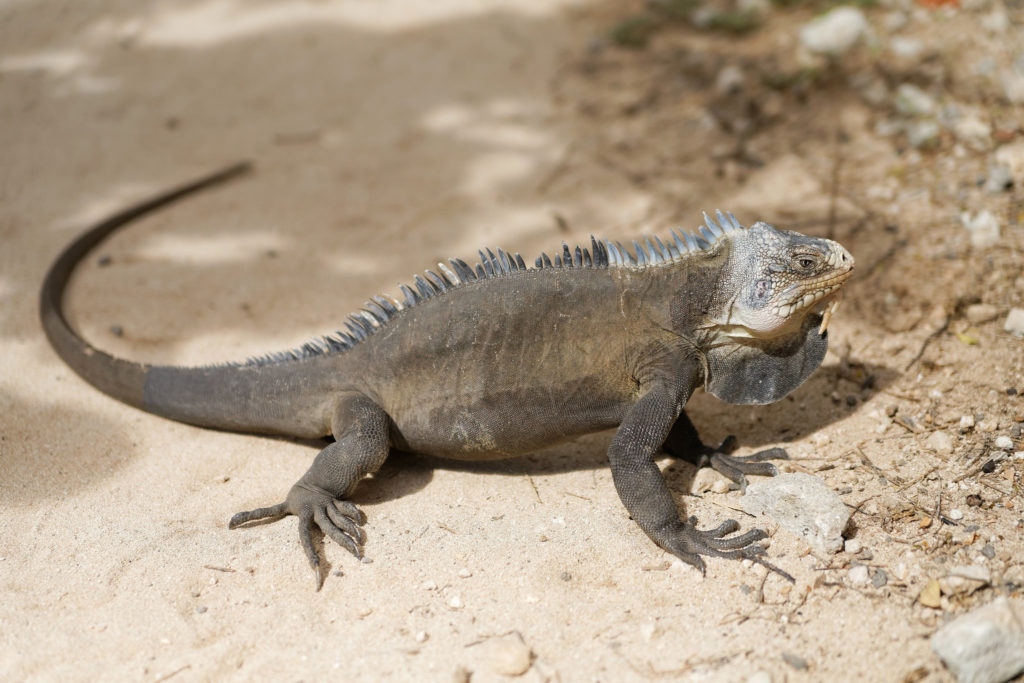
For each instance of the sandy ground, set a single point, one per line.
(387, 136)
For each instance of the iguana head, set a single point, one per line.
(781, 277)
(767, 332)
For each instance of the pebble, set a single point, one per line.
(999, 180)
(983, 227)
(455, 602)
(1015, 322)
(905, 48)
(910, 100)
(940, 442)
(852, 546)
(835, 32)
(706, 480)
(465, 573)
(985, 645)
(795, 661)
(966, 423)
(974, 132)
(879, 578)
(956, 515)
(980, 313)
(922, 134)
(1013, 86)
(1011, 157)
(760, 677)
(803, 505)
(729, 80)
(858, 575)
(1004, 442)
(509, 655)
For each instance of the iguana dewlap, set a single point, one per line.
(501, 359)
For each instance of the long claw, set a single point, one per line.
(276, 511)
(349, 526)
(306, 538)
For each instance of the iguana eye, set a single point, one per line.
(806, 262)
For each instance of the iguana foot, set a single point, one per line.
(688, 543)
(339, 519)
(734, 467)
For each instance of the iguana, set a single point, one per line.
(501, 359)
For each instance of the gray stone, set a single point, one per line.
(835, 32)
(923, 134)
(983, 227)
(985, 645)
(999, 180)
(910, 100)
(1015, 322)
(803, 505)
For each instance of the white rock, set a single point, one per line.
(974, 132)
(1015, 322)
(858, 575)
(1004, 442)
(835, 32)
(1013, 86)
(905, 48)
(455, 602)
(985, 645)
(760, 677)
(956, 515)
(910, 100)
(940, 442)
(509, 655)
(1011, 157)
(729, 80)
(983, 227)
(853, 546)
(922, 134)
(966, 423)
(708, 479)
(803, 505)
(980, 313)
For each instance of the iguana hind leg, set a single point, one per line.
(684, 442)
(360, 427)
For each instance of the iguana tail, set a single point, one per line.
(121, 379)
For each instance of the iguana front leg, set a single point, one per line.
(645, 494)
(360, 428)
(684, 442)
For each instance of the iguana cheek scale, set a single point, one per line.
(499, 359)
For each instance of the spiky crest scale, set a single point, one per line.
(601, 254)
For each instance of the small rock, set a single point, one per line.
(955, 515)
(931, 594)
(974, 132)
(509, 655)
(980, 313)
(902, 47)
(879, 578)
(1013, 86)
(1011, 157)
(795, 661)
(1015, 322)
(858, 575)
(983, 227)
(465, 573)
(708, 479)
(999, 180)
(803, 505)
(922, 134)
(987, 426)
(729, 80)
(853, 546)
(1004, 442)
(835, 32)
(988, 551)
(455, 602)
(966, 423)
(985, 645)
(940, 442)
(760, 677)
(421, 636)
(910, 100)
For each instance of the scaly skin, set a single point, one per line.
(511, 360)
